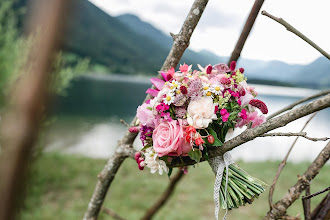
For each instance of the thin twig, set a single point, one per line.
(282, 165)
(315, 194)
(322, 93)
(291, 134)
(246, 31)
(164, 197)
(280, 207)
(307, 204)
(124, 122)
(112, 214)
(296, 32)
(180, 43)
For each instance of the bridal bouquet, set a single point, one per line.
(192, 110)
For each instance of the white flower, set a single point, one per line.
(217, 88)
(174, 85)
(153, 162)
(169, 99)
(207, 89)
(201, 112)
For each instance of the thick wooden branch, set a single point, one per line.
(246, 31)
(252, 133)
(164, 197)
(27, 103)
(322, 210)
(307, 204)
(279, 208)
(289, 107)
(180, 43)
(290, 28)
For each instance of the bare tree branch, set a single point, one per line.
(307, 204)
(296, 32)
(322, 210)
(291, 134)
(316, 194)
(322, 93)
(180, 43)
(124, 123)
(164, 197)
(279, 208)
(282, 165)
(246, 31)
(112, 214)
(27, 103)
(252, 133)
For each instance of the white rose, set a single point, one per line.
(201, 112)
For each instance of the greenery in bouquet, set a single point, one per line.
(192, 110)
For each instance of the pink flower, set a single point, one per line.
(221, 68)
(225, 115)
(145, 115)
(184, 68)
(255, 119)
(162, 107)
(242, 114)
(168, 139)
(168, 75)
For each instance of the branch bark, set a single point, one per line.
(291, 134)
(27, 103)
(180, 43)
(252, 133)
(246, 31)
(294, 192)
(290, 28)
(164, 197)
(307, 204)
(322, 210)
(322, 93)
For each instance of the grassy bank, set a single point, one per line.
(61, 186)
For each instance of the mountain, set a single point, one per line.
(126, 44)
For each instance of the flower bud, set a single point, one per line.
(210, 139)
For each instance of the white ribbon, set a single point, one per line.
(218, 165)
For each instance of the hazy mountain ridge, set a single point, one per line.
(128, 45)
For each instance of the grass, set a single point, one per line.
(61, 185)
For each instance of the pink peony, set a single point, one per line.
(221, 68)
(145, 115)
(201, 112)
(168, 139)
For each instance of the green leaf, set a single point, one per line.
(195, 155)
(217, 142)
(149, 108)
(145, 147)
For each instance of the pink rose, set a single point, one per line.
(168, 139)
(221, 68)
(145, 115)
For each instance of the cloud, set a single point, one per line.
(213, 17)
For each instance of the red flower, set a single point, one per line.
(232, 65)
(190, 129)
(225, 81)
(260, 105)
(183, 90)
(199, 141)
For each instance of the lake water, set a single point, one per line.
(87, 120)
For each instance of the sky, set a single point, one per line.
(222, 22)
